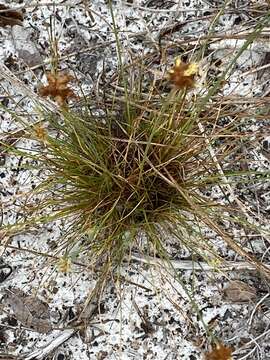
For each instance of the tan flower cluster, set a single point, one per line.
(182, 74)
(220, 352)
(58, 88)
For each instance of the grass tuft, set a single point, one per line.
(137, 168)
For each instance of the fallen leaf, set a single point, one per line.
(238, 291)
(10, 17)
(29, 310)
(26, 46)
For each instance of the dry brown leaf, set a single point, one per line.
(10, 17)
(238, 291)
(29, 310)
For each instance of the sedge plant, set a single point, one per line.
(134, 172)
(131, 170)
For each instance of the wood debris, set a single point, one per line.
(51, 345)
(10, 17)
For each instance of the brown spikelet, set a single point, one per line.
(40, 132)
(10, 17)
(220, 352)
(58, 88)
(64, 265)
(182, 74)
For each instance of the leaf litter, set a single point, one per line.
(29, 310)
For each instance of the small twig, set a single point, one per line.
(255, 309)
(192, 265)
(252, 71)
(251, 342)
(225, 180)
(43, 352)
(5, 356)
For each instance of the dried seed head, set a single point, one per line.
(220, 352)
(64, 264)
(40, 132)
(58, 88)
(191, 70)
(182, 74)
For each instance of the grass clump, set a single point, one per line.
(136, 168)
(136, 172)
(125, 173)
